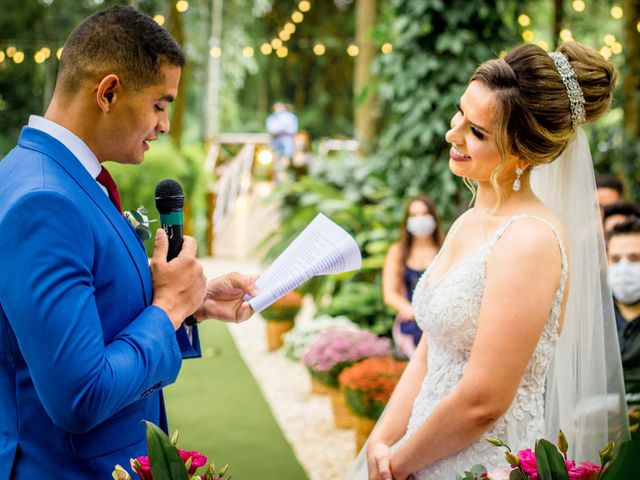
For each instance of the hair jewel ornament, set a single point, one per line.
(574, 92)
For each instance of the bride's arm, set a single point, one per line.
(393, 424)
(523, 273)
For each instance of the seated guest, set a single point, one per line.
(623, 246)
(406, 261)
(617, 213)
(609, 190)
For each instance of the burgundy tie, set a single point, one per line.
(106, 180)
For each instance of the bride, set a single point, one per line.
(521, 337)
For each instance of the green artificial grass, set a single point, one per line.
(219, 410)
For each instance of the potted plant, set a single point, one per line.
(334, 350)
(367, 387)
(280, 317)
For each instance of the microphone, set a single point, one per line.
(169, 202)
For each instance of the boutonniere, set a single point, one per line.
(140, 222)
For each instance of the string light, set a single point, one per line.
(543, 45)
(502, 54)
(638, 27)
(297, 16)
(247, 52)
(182, 6)
(284, 36)
(579, 5)
(353, 50)
(282, 52)
(290, 27)
(609, 39)
(606, 52)
(215, 52)
(319, 49)
(304, 6)
(616, 48)
(2, 56)
(527, 35)
(159, 19)
(617, 12)
(39, 57)
(387, 48)
(276, 43)
(18, 56)
(524, 20)
(566, 35)
(11, 51)
(59, 52)
(46, 51)
(266, 49)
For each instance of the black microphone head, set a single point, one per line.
(169, 196)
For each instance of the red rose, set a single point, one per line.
(528, 463)
(142, 467)
(197, 459)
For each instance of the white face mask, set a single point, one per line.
(421, 225)
(624, 279)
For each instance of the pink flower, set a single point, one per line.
(528, 463)
(584, 471)
(197, 459)
(142, 467)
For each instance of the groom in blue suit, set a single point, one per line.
(89, 334)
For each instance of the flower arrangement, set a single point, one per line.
(139, 220)
(548, 462)
(297, 341)
(167, 462)
(368, 384)
(336, 349)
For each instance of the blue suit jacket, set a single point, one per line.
(83, 353)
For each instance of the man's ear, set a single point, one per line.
(108, 91)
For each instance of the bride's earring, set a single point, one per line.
(516, 182)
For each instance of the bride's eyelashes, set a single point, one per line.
(474, 130)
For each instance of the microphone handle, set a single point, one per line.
(174, 234)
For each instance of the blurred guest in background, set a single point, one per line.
(609, 190)
(617, 213)
(406, 261)
(624, 277)
(282, 125)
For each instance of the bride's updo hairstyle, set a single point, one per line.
(533, 119)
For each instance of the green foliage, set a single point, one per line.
(362, 404)
(436, 47)
(137, 183)
(164, 458)
(550, 462)
(347, 190)
(625, 464)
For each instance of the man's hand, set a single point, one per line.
(179, 286)
(224, 299)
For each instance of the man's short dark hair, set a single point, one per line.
(630, 226)
(609, 181)
(621, 208)
(117, 40)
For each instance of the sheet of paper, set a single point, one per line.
(321, 248)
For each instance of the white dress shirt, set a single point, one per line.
(70, 140)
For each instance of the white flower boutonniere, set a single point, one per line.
(140, 222)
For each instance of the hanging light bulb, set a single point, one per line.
(319, 49)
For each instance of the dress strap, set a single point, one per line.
(565, 266)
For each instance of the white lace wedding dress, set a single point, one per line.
(447, 309)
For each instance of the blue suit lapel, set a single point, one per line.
(39, 141)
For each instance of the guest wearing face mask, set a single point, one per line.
(624, 278)
(406, 260)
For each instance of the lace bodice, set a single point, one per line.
(448, 311)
